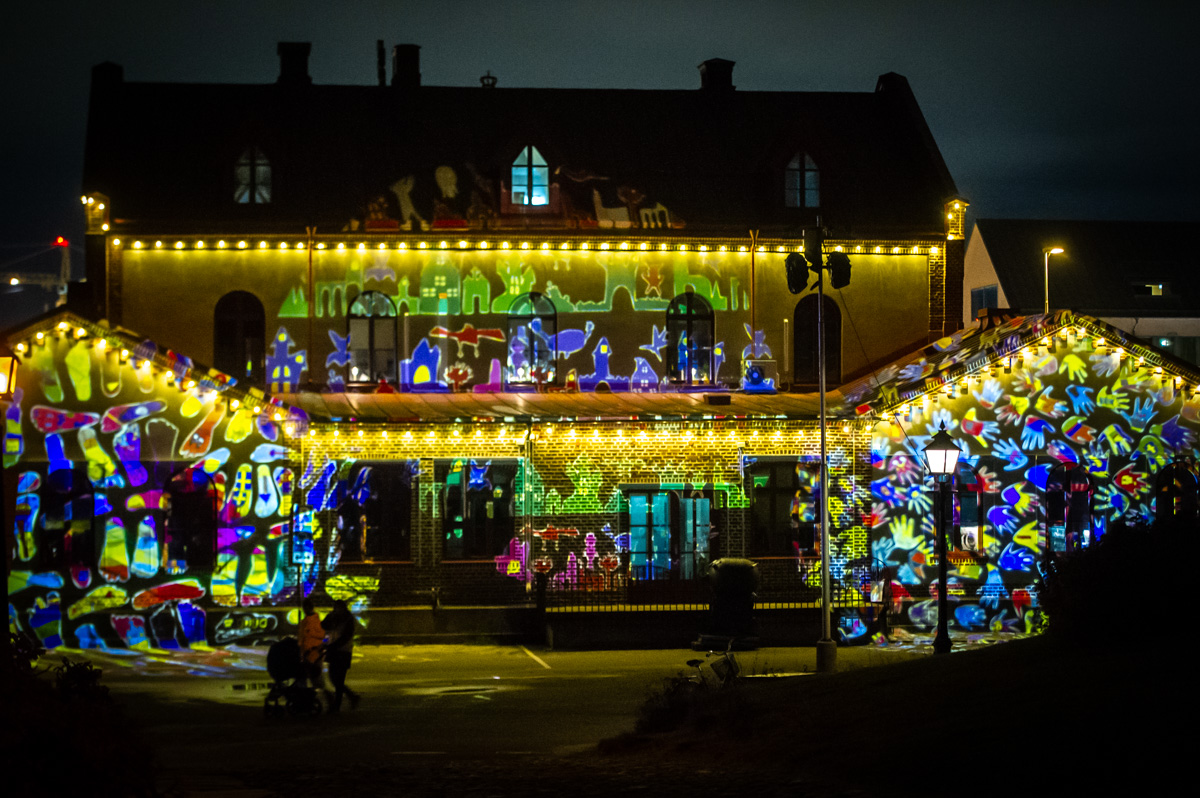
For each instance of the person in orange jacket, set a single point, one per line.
(312, 642)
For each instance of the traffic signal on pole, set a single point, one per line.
(839, 269)
(797, 272)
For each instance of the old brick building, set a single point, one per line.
(507, 332)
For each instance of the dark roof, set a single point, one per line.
(1105, 268)
(164, 153)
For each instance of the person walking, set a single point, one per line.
(311, 638)
(341, 625)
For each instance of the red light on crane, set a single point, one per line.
(59, 241)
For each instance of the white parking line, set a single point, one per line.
(536, 658)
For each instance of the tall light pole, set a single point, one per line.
(1047, 252)
(8, 378)
(941, 455)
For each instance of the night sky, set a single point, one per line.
(1041, 109)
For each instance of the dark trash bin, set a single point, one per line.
(730, 622)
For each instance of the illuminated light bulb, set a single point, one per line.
(643, 246)
(241, 245)
(545, 245)
(724, 248)
(957, 206)
(104, 226)
(742, 249)
(21, 348)
(336, 433)
(360, 433)
(949, 216)
(879, 249)
(40, 336)
(564, 245)
(624, 245)
(423, 245)
(762, 249)
(341, 246)
(384, 433)
(524, 245)
(604, 245)
(457, 433)
(312, 433)
(199, 245)
(83, 200)
(483, 245)
(895, 250)
(257, 409)
(262, 244)
(382, 246)
(178, 245)
(583, 246)
(914, 250)
(933, 250)
(157, 244)
(192, 384)
(116, 242)
(221, 244)
(62, 326)
(683, 247)
(408, 435)
(361, 246)
(277, 416)
(234, 404)
(662, 247)
(300, 246)
(779, 249)
(505, 245)
(442, 244)
(704, 248)
(402, 245)
(283, 245)
(91, 200)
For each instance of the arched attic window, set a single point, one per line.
(805, 363)
(252, 178)
(532, 333)
(802, 182)
(371, 324)
(530, 178)
(689, 340)
(239, 337)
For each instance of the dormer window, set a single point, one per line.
(530, 178)
(802, 183)
(252, 178)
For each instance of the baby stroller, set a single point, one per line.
(291, 694)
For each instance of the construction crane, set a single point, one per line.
(45, 280)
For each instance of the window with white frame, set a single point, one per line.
(252, 178)
(530, 178)
(802, 182)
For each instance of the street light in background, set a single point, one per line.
(8, 379)
(1048, 251)
(941, 456)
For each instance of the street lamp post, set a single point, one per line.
(1047, 252)
(941, 455)
(8, 376)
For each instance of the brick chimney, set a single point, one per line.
(293, 63)
(406, 66)
(716, 74)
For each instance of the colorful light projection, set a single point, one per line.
(1065, 426)
(148, 493)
